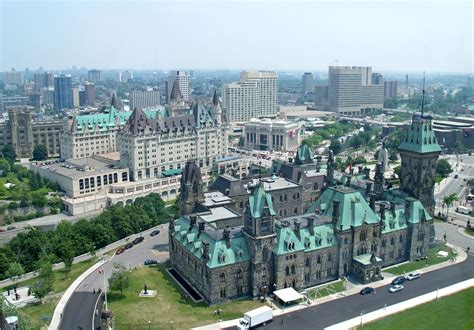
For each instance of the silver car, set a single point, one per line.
(395, 288)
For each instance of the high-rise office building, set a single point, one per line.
(321, 98)
(143, 99)
(377, 78)
(90, 93)
(184, 82)
(94, 75)
(351, 89)
(75, 97)
(13, 77)
(308, 82)
(390, 88)
(254, 96)
(62, 92)
(125, 76)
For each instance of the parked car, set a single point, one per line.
(138, 240)
(11, 227)
(456, 176)
(395, 288)
(128, 246)
(120, 251)
(413, 276)
(154, 232)
(398, 280)
(150, 262)
(2, 230)
(367, 290)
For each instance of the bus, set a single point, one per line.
(463, 210)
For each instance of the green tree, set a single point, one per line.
(443, 168)
(119, 279)
(67, 254)
(449, 201)
(15, 271)
(9, 153)
(40, 289)
(459, 147)
(335, 146)
(393, 157)
(5, 167)
(40, 152)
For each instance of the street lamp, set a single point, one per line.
(149, 323)
(171, 325)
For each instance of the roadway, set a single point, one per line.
(79, 311)
(339, 310)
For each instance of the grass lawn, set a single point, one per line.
(326, 290)
(451, 312)
(133, 312)
(40, 314)
(433, 259)
(469, 231)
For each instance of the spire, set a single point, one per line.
(423, 97)
(137, 121)
(215, 99)
(114, 101)
(175, 91)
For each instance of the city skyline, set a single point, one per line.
(211, 35)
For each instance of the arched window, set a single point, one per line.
(239, 274)
(363, 235)
(295, 210)
(373, 248)
(222, 277)
(318, 260)
(329, 256)
(401, 238)
(293, 269)
(287, 270)
(392, 241)
(308, 262)
(383, 243)
(264, 272)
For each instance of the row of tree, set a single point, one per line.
(40, 152)
(69, 240)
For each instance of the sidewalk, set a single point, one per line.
(353, 290)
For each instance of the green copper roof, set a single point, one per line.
(322, 237)
(420, 136)
(111, 117)
(353, 208)
(175, 171)
(303, 155)
(365, 259)
(286, 241)
(219, 254)
(259, 201)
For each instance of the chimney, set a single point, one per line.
(205, 250)
(382, 211)
(335, 211)
(369, 188)
(192, 221)
(311, 225)
(201, 226)
(392, 207)
(227, 237)
(407, 209)
(297, 228)
(372, 201)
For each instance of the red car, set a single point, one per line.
(120, 251)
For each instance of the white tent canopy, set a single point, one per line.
(287, 294)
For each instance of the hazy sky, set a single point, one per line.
(280, 35)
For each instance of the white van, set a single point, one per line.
(463, 210)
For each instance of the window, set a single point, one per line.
(363, 235)
(383, 243)
(223, 293)
(86, 183)
(318, 260)
(81, 183)
(392, 241)
(265, 253)
(99, 183)
(92, 183)
(306, 277)
(295, 211)
(124, 176)
(105, 179)
(373, 247)
(293, 269)
(308, 262)
(329, 256)
(239, 274)
(401, 238)
(115, 178)
(264, 272)
(287, 270)
(222, 277)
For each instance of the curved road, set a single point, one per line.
(79, 311)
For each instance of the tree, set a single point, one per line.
(449, 201)
(459, 147)
(9, 153)
(335, 146)
(15, 271)
(40, 152)
(119, 279)
(5, 167)
(67, 254)
(44, 285)
(443, 168)
(38, 198)
(393, 157)
(40, 289)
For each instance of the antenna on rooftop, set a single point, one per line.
(423, 97)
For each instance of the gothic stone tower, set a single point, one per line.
(259, 229)
(191, 188)
(419, 152)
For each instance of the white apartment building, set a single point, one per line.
(271, 134)
(307, 82)
(184, 82)
(144, 99)
(13, 77)
(254, 96)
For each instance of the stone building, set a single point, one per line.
(354, 228)
(24, 133)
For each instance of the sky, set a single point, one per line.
(432, 36)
